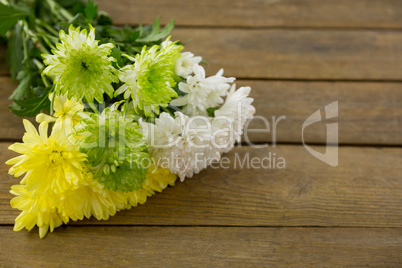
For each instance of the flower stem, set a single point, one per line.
(52, 102)
(24, 43)
(59, 11)
(45, 81)
(47, 27)
(93, 107)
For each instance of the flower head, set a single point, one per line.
(64, 110)
(52, 164)
(36, 210)
(238, 107)
(202, 92)
(48, 211)
(150, 80)
(184, 144)
(171, 52)
(80, 67)
(91, 199)
(164, 132)
(157, 180)
(116, 149)
(184, 65)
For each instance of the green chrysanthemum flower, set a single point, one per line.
(116, 149)
(80, 67)
(171, 51)
(150, 80)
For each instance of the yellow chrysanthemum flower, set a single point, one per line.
(36, 210)
(157, 180)
(91, 199)
(94, 200)
(50, 210)
(64, 109)
(58, 187)
(51, 164)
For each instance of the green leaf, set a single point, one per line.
(137, 49)
(9, 16)
(116, 53)
(23, 89)
(156, 34)
(211, 111)
(73, 6)
(30, 107)
(104, 19)
(15, 52)
(111, 32)
(131, 34)
(91, 10)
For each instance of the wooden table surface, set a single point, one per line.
(298, 56)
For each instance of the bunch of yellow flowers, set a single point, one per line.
(57, 185)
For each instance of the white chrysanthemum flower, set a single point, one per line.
(184, 65)
(183, 144)
(80, 67)
(202, 92)
(164, 132)
(222, 133)
(238, 106)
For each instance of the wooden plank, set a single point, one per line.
(3, 61)
(363, 191)
(255, 13)
(11, 125)
(300, 54)
(203, 247)
(369, 113)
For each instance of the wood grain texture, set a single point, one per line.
(258, 13)
(301, 54)
(11, 125)
(203, 247)
(363, 191)
(369, 113)
(231, 216)
(3, 61)
(297, 54)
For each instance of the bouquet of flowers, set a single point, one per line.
(122, 112)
